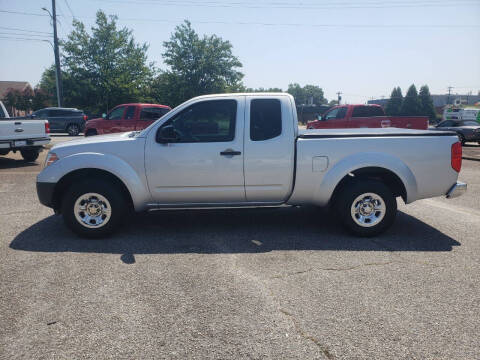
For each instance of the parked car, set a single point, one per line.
(68, 120)
(28, 137)
(126, 117)
(467, 130)
(365, 116)
(234, 150)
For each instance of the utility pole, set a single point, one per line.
(339, 98)
(58, 73)
(449, 91)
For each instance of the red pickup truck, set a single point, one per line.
(126, 117)
(365, 116)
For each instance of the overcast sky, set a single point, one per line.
(362, 48)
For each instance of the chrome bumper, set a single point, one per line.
(456, 190)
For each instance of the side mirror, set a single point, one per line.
(166, 134)
(104, 115)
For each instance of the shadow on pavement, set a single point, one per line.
(9, 163)
(232, 231)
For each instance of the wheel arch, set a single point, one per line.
(388, 177)
(385, 167)
(72, 167)
(87, 173)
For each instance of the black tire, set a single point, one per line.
(345, 201)
(461, 138)
(73, 129)
(113, 194)
(29, 155)
(91, 132)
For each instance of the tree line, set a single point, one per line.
(412, 104)
(105, 66)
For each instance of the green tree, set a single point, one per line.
(307, 94)
(196, 66)
(411, 103)
(103, 68)
(426, 103)
(394, 104)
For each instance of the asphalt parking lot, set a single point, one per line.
(259, 283)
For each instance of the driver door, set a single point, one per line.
(204, 164)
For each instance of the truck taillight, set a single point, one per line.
(85, 117)
(47, 127)
(457, 156)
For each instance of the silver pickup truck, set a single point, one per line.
(235, 150)
(26, 136)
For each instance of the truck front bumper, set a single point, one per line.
(456, 190)
(45, 193)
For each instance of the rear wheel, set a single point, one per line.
(461, 138)
(366, 207)
(29, 154)
(93, 208)
(73, 129)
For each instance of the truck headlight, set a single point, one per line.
(51, 158)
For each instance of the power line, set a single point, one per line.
(24, 30)
(36, 35)
(22, 39)
(21, 13)
(278, 5)
(69, 8)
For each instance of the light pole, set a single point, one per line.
(58, 73)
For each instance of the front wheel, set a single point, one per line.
(366, 207)
(29, 155)
(93, 208)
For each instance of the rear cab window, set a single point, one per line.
(152, 113)
(265, 119)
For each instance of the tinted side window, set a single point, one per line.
(446, 124)
(130, 113)
(116, 114)
(54, 113)
(265, 119)
(152, 113)
(360, 111)
(342, 112)
(375, 111)
(207, 121)
(337, 113)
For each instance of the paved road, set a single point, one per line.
(269, 283)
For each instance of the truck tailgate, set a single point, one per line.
(22, 129)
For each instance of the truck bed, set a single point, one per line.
(420, 158)
(368, 132)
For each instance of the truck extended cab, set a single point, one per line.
(365, 116)
(26, 136)
(126, 117)
(234, 150)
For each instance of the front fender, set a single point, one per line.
(325, 188)
(135, 184)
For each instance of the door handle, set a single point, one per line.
(230, 152)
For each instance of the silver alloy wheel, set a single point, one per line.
(368, 209)
(92, 210)
(73, 130)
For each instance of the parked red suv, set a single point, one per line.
(126, 117)
(365, 116)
